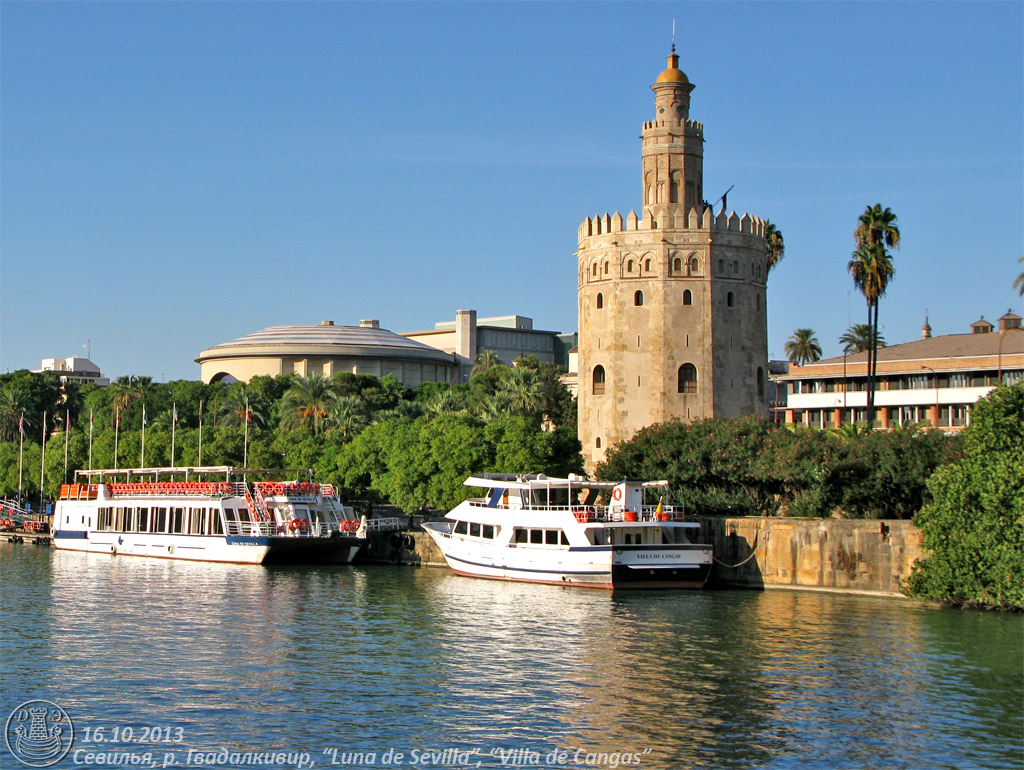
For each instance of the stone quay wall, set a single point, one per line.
(863, 556)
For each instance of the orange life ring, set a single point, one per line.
(617, 494)
(303, 524)
(279, 489)
(293, 524)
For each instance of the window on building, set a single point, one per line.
(760, 382)
(600, 301)
(687, 297)
(677, 265)
(597, 443)
(647, 265)
(629, 266)
(598, 389)
(606, 268)
(735, 267)
(694, 266)
(687, 378)
(729, 299)
(638, 298)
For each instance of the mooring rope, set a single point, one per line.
(753, 553)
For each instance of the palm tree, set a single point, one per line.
(13, 405)
(858, 338)
(1018, 284)
(348, 417)
(240, 400)
(803, 347)
(307, 403)
(871, 268)
(485, 361)
(522, 387)
(775, 249)
(127, 389)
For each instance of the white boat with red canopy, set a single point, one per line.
(207, 514)
(594, 534)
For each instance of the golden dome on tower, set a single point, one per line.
(672, 73)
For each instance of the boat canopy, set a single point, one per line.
(540, 481)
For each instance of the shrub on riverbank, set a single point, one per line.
(974, 529)
(746, 466)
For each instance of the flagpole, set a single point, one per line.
(21, 452)
(117, 429)
(245, 444)
(67, 434)
(200, 462)
(90, 439)
(174, 425)
(142, 456)
(42, 465)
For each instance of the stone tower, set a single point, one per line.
(672, 311)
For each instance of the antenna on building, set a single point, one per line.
(723, 198)
(673, 35)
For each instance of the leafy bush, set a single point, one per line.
(974, 529)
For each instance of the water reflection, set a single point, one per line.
(301, 659)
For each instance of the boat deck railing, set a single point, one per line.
(317, 529)
(600, 513)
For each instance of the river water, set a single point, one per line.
(237, 666)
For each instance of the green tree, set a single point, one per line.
(775, 248)
(1018, 282)
(871, 269)
(803, 347)
(974, 530)
(858, 338)
(128, 390)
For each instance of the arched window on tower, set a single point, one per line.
(638, 298)
(594, 271)
(598, 385)
(629, 266)
(647, 265)
(600, 301)
(677, 265)
(687, 297)
(597, 443)
(729, 299)
(694, 266)
(606, 268)
(760, 382)
(687, 378)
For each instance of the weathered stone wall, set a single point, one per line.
(852, 555)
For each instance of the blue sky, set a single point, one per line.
(175, 175)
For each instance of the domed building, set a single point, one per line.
(327, 349)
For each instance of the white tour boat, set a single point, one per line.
(572, 531)
(195, 518)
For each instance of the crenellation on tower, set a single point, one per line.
(671, 301)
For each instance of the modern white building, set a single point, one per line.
(74, 369)
(933, 380)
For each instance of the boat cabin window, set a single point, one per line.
(161, 520)
(541, 536)
(462, 528)
(488, 531)
(197, 521)
(474, 530)
(216, 525)
(177, 520)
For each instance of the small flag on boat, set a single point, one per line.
(658, 510)
(174, 413)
